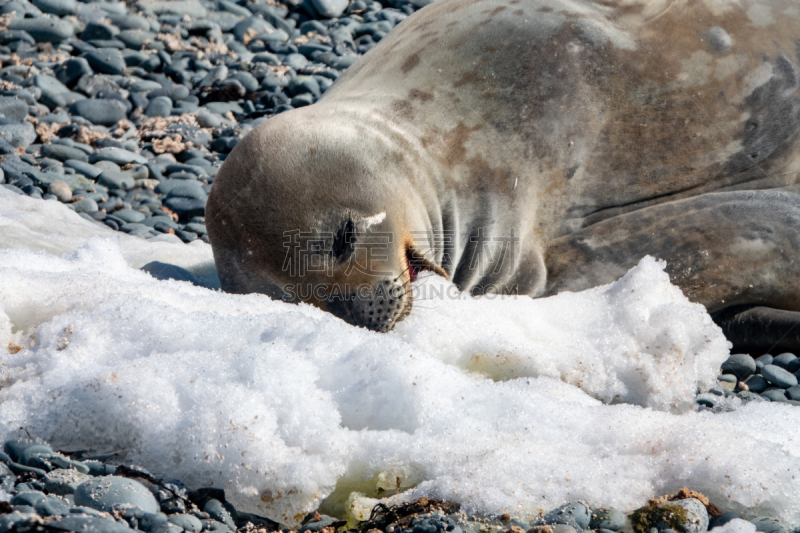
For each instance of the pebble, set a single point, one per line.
(84, 205)
(609, 519)
(106, 492)
(61, 191)
(778, 376)
(44, 29)
(105, 61)
(100, 111)
(766, 524)
(114, 179)
(784, 360)
(697, 516)
(57, 7)
(13, 108)
(740, 365)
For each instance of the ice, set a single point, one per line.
(505, 406)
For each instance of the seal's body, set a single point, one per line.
(534, 146)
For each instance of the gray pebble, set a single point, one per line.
(44, 29)
(100, 111)
(103, 493)
(767, 524)
(113, 179)
(740, 365)
(129, 215)
(57, 7)
(575, 514)
(696, 515)
(106, 61)
(160, 106)
(188, 522)
(784, 360)
(61, 191)
(774, 395)
(13, 108)
(118, 156)
(778, 376)
(63, 481)
(756, 383)
(611, 519)
(61, 152)
(84, 205)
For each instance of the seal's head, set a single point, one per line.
(309, 210)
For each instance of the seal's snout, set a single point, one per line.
(378, 309)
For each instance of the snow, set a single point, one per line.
(505, 405)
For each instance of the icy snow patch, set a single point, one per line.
(495, 404)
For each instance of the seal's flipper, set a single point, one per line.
(760, 330)
(722, 249)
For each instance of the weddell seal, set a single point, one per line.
(532, 146)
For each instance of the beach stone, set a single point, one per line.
(86, 169)
(793, 393)
(84, 205)
(187, 189)
(160, 106)
(193, 8)
(756, 383)
(105, 492)
(113, 179)
(89, 524)
(217, 511)
(575, 514)
(69, 71)
(135, 39)
(611, 519)
(105, 61)
(99, 31)
(44, 29)
(188, 522)
(697, 515)
(740, 365)
(778, 376)
(52, 506)
(774, 395)
(186, 208)
(767, 524)
(29, 498)
(13, 108)
(99, 111)
(61, 152)
(61, 191)
(57, 7)
(329, 8)
(119, 156)
(129, 215)
(18, 134)
(765, 359)
(63, 481)
(784, 360)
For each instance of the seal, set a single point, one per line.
(532, 147)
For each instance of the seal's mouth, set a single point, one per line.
(412, 271)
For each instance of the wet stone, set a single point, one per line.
(61, 191)
(756, 383)
(778, 376)
(100, 111)
(740, 365)
(44, 29)
(106, 492)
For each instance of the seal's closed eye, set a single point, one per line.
(344, 242)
